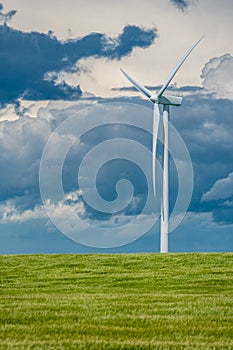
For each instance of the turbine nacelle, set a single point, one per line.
(167, 100)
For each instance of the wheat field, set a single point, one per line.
(128, 301)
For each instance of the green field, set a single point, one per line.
(135, 301)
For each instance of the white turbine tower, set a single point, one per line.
(166, 101)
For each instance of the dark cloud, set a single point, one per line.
(6, 17)
(188, 88)
(182, 4)
(205, 123)
(21, 146)
(30, 61)
(223, 214)
(132, 36)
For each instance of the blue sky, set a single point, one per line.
(59, 58)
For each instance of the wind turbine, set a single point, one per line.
(166, 101)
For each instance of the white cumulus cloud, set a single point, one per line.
(10, 212)
(222, 189)
(217, 76)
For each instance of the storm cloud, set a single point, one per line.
(182, 4)
(31, 61)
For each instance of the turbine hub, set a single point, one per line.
(154, 98)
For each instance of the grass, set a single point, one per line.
(135, 301)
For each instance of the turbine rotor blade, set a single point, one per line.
(171, 76)
(156, 119)
(138, 86)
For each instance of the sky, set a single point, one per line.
(75, 137)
